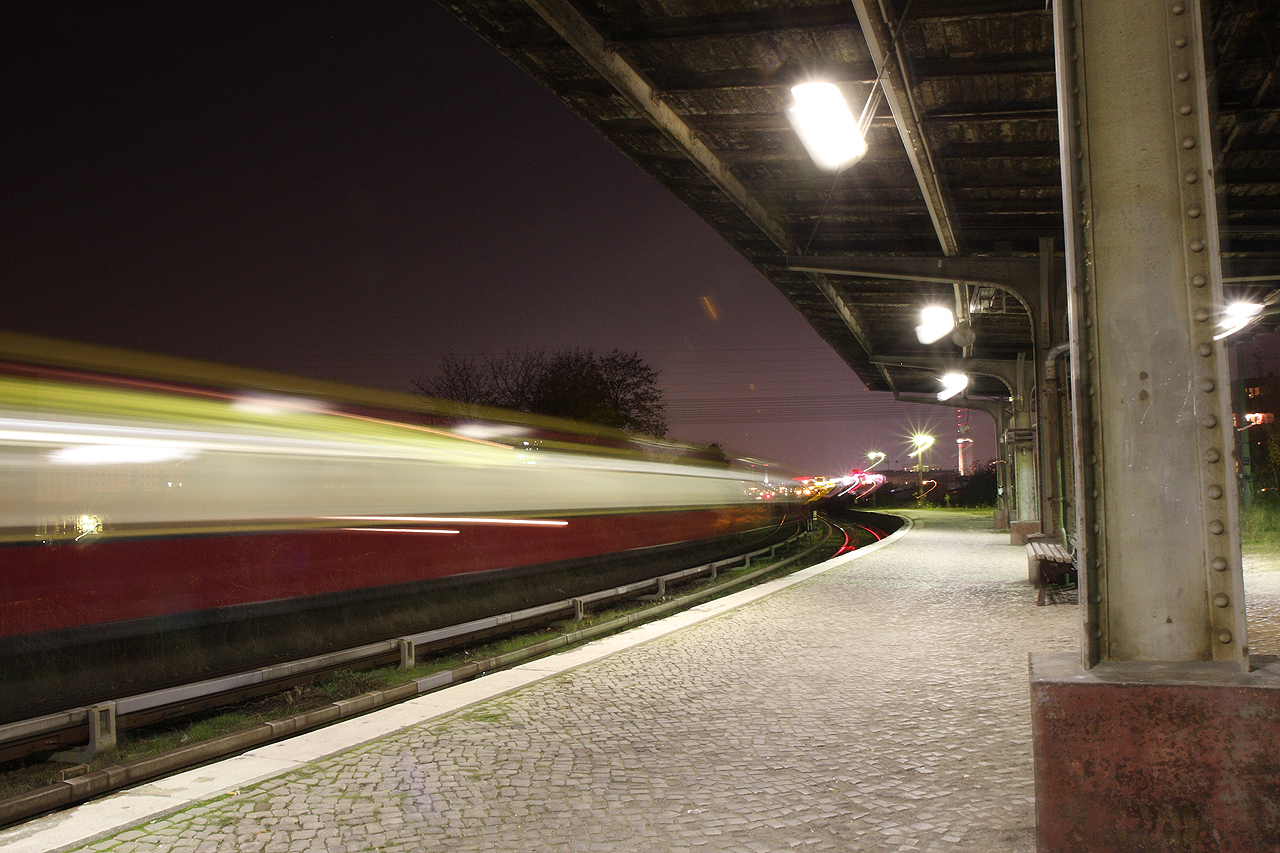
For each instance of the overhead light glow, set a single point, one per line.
(1235, 317)
(953, 384)
(825, 126)
(935, 323)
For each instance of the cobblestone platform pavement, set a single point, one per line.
(1262, 603)
(881, 705)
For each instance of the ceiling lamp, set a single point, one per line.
(826, 127)
(953, 384)
(935, 323)
(1236, 316)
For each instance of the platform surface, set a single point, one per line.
(877, 702)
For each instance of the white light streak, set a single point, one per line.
(117, 454)
(397, 530)
(428, 519)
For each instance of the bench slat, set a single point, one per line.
(1050, 551)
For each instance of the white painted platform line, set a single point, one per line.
(116, 812)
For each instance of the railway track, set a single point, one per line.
(22, 741)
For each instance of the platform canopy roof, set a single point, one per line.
(961, 183)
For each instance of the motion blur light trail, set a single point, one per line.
(262, 515)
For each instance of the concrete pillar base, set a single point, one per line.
(1156, 756)
(1019, 530)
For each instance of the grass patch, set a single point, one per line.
(346, 683)
(983, 512)
(485, 716)
(1260, 527)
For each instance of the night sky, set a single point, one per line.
(350, 191)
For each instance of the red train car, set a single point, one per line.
(162, 520)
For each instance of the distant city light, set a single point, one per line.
(88, 525)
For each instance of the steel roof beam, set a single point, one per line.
(755, 22)
(648, 101)
(595, 49)
(783, 77)
(1005, 371)
(996, 408)
(897, 93)
(1019, 276)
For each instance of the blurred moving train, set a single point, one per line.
(163, 520)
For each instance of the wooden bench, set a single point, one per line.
(1050, 565)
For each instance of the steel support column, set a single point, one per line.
(1051, 440)
(1021, 441)
(1157, 738)
(1158, 531)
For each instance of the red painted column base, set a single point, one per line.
(1156, 756)
(1019, 530)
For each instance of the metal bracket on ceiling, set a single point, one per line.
(896, 87)
(1007, 372)
(1018, 276)
(1000, 411)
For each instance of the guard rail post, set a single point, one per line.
(408, 655)
(102, 735)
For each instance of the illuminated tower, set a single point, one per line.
(964, 448)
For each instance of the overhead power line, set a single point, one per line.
(796, 408)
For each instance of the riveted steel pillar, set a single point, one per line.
(1021, 441)
(1160, 737)
(1157, 516)
(1051, 421)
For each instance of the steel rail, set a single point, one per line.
(41, 732)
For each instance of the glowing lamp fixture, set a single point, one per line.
(875, 457)
(1235, 317)
(935, 323)
(953, 384)
(920, 442)
(825, 126)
